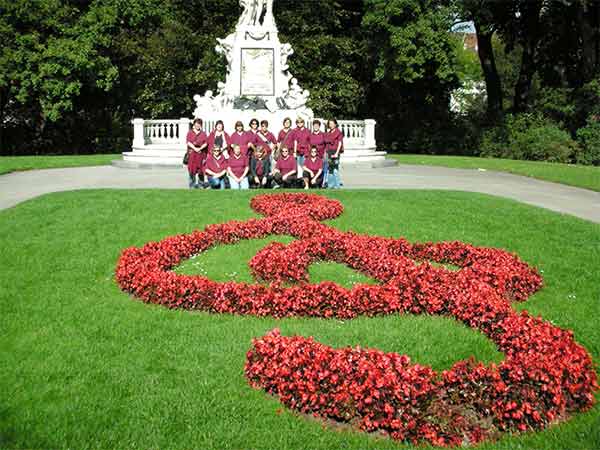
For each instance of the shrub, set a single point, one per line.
(589, 140)
(530, 137)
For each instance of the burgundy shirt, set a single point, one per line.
(286, 141)
(211, 140)
(315, 165)
(287, 165)
(215, 165)
(196, 139)
(332, 138)
(242, 140)
(265, 140)
(259, 167)
(318, 140)
(302, 138)
(238, 165)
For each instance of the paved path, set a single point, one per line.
(20, 186)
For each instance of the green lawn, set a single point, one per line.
(18, 163)
(86, 366)
(587, 177)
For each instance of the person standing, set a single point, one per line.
(253, 139)
(334, 147)
(240, 137)
(237, 169)
(301, 142)
(197, 142)
(285, 138)
(317, 139)
(219, 138)
(266, 139)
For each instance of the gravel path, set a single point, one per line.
(20, 186)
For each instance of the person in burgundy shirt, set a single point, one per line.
(215, 170)
(241, 137)
(334, 147)
(312, 170)
(285, 170)
(260, 169)
(253, 139)
(317, 138)
(219, 138)
(237, 169)
(301, 140)
(265, 138)
(196, 146)
(285, 137)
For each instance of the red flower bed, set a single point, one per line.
(545, 376)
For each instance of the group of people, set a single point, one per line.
(255, 158)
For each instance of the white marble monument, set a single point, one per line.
(258, 85)
(258, 77)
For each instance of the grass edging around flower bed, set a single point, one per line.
(83, 363)
(20, 163)
(586, 177)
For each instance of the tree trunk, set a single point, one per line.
(531, 30)
(3, 103)
(588, 16)
(493, 83)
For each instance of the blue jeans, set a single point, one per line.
(241, 185)
(333, 178)
(299, 164)
(216, 183)
(325, 171)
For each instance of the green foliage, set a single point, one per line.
(555, 103)
(589, 141)
(329, 54)
(412, 56)
(410, 41)
(468, 67)
(528, 137)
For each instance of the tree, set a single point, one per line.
(413, 62)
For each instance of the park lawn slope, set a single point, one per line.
(85, 365)
(19, 163)
(587, 177)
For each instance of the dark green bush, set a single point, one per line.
(589, 142)
(531, 137)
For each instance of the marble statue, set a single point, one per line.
(256, 13)
(204, 103)
(256, 34)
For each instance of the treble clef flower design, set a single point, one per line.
(545, 377)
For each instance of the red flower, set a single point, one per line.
(546, 374)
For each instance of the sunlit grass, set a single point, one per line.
(85, 365)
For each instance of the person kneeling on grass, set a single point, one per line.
(312, 171)
(215, 170)
(237, 169)
(260, 169)
(284, 173)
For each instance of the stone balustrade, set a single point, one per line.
(168, 131)
(163, 142)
